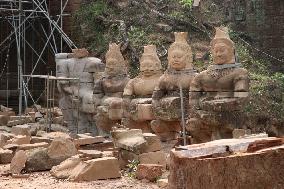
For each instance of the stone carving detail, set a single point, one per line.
(76, 99)
(109, 89)
(166, 96)
(137, 94)
(218, 93)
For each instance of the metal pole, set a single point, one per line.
(20, 66)
(182, 115)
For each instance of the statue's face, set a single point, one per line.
(148, 67)
(222, 54)
(177, 59)
(111, 66)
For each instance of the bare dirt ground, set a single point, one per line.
(43, 180)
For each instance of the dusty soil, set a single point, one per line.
(43, 180)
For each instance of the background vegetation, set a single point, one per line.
(138, 23)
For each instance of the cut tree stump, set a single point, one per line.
(256, 163)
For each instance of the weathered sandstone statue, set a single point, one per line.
(109, 89)
(166, 96)
(137, 96)
(76, 99)
(218, 94)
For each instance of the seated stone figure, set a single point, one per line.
(217, 94)
(76, 99)
(109, 89)
(137, 94)
(166, 96)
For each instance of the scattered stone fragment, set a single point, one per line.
(21, 130)
(32, 146)
(21, 139)
(54, 135)
(150, 172)
(3, 139)
(4, 120)
(61, 149)
(153, 143)
(38, 160)
(162, 183)
(64, 170)
(153, 158)
(36, 139)
(96, 169)
(18, 162)
(5, 156)
(91, 153)
(86, 139)
(12, 147)
(128, 139)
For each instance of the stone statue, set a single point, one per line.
(137, 94)
(217, 94)
(166, 96)
(76, 99)
(109, 89)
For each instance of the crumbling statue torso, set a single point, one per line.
(218, 94)
(166, 96)
(138, 92)
(109, 89)
(78, 91)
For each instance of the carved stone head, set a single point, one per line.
(150, 63)
(223, 48)
(115, 63)
(80, 53)
(180, 53)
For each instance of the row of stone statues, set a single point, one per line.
(105, 96)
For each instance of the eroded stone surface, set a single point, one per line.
(166, 96)
(150, 172)
(218, 94)
(207, 166)
(18, 162)
(61, 148)
(108, 90)
(95, 169)
(137, 103)
(21, 130)
(77, 95)
(153, 158)
(5, 156)
(64, 170)
(132, 140)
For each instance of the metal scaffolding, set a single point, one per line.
(22, 16)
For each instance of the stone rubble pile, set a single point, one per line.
(68, 158)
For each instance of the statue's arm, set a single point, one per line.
(127, 97)
(98, 92)
(241, 84)
(159, 92)
(195, 93)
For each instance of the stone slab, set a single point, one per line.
(5, 156)
(86, 139)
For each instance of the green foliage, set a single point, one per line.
(186, 3)
(132, 168)
(266, 88)
(92, 30)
